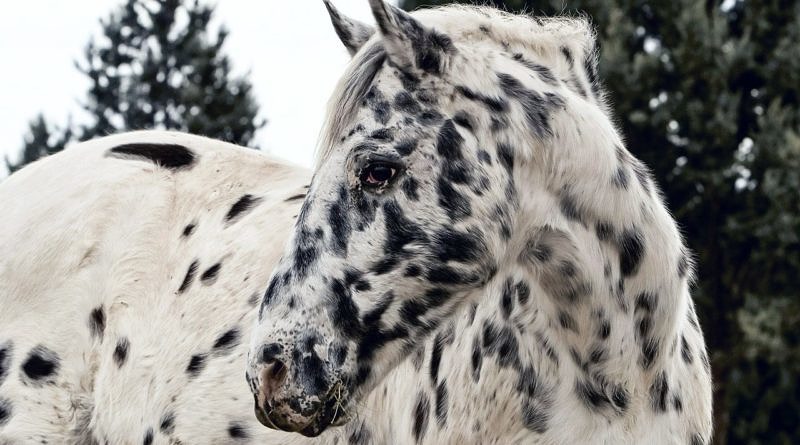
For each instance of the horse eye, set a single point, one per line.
(375, 175)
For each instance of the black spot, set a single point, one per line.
(121, 351)
(41, 363)
(537, 107)
(188, 230)
(343, 310)
(339, 222)
(650, 349)
(372, 318)
(306, 251)
(449, 275)
(411, 310)
(436, 358)
(677, 403)
(567, 322)
(620, 398)
(362, 285)
(430, 117)
(523, 292)
(484, 157)
(337, 351)
(405, 103)
(148, 437)
(696, 439)
(400, 231)
(227, 340)
(659, 391)
(569, 208)
(385, 265)
(410, 187)
(631, 251)
(536, 401)
(538, 251)
(592, 395)
(463, 119)
(620, 178)
(382, 134)
(604, 330)
(243, 205)
(169, 156)
(196, 364)
(381, 108)
(604, 230)
(295, 197)
(406, 146)
(502, 342)
(567, 55)
(477, 360)
(686, 351)
(413, 270)
(544, 73)
(210, 275)
(237, 430)
(505, 153)
(453, 245)
(448, 142)
(97, 322)
(167, 425)
(507, 299)
(590, 66)
(642, 175)
(441, 403)
(5, 411)
(494, 104)
(5, 359)
(456, 205)
(421, 409)
(187, 280)
(646, 301)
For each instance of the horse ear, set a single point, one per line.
(351, 32)
(409, 44)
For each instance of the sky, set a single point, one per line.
(289, 48)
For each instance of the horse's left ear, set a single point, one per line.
(351, 32)
(409, 44)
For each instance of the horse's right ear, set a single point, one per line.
(351, 32)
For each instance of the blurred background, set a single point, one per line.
(705, 92)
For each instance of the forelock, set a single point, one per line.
(353, 85)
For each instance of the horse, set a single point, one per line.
(478, 253)
(476, 258)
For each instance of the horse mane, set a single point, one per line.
(545, 36)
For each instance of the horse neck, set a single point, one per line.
(606, 265)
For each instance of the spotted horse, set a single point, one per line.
(477, 259)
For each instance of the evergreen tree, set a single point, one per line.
(42, 140)
(159, 64)
(707, 94)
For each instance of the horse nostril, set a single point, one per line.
(278, 371)
(272, 376)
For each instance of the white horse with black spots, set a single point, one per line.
(477, 259)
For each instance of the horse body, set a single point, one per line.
(128, 290)
(519, 282)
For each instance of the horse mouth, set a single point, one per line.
(333, 412)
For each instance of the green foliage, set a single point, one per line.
(712, 106)
(41, 140)
(159, 64)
